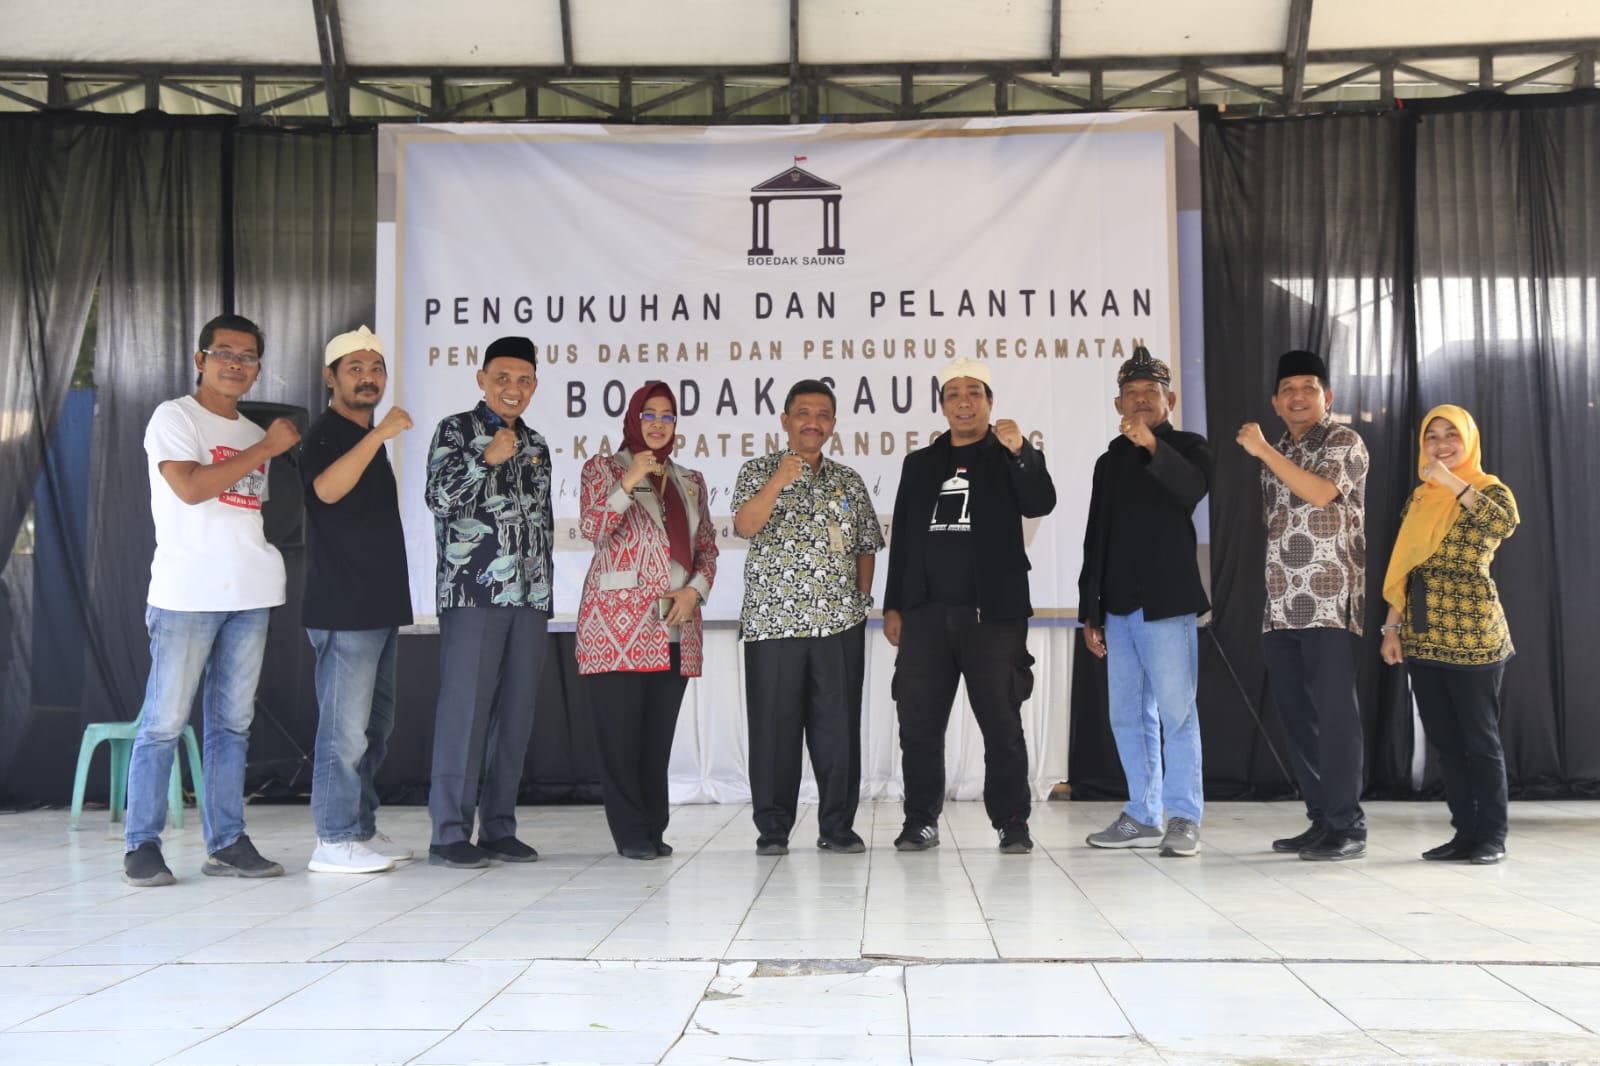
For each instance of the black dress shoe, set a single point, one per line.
(1310, 838)
(1488, 854)
(1454, 850)
(508, 849)
(663, 849)
(1335, 847)
(646, 853)
(769, 845)
(458, 856)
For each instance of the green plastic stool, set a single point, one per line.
(121, 735)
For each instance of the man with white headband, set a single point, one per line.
(956, 604)
(357, 597)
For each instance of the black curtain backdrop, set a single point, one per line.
(1449, 254)
(1446, 255)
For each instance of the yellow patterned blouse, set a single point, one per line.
(1462, 623)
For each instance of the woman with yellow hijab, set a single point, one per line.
(1445, 623)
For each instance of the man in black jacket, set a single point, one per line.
(956, 604)
(1139, 595)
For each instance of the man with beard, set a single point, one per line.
(956, 604)
(489, 491)
(356, 599)
(813, 535)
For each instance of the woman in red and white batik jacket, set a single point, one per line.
(639, 626)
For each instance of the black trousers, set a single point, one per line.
(940, 646)
(810, 688)
(1313, 678)
(635, 715)
(488, 679)
(1460, 711)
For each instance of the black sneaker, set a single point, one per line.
(917, 838)
(143, 867)
(507, 849)
(1014, 838)
(845, 843)
(461, 855)
(663, 849)
(767, 845)
(240, 859)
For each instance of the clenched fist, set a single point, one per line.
(791, 468)
(1251, 440)
(502, 447)
(644, 464)
(1009, 435)
(281, 436)
(394, 423)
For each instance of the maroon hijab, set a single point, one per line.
(681, 550)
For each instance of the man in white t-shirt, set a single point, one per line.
(213, 581)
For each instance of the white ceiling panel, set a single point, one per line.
(921, 31)
(175, 31)
(470, 33)
(683, 32)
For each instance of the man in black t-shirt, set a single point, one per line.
(357, 596)
(956, 604)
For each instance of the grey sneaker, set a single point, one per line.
(1125, 832)
(1182, 839)
(143, 867)
(240, 859)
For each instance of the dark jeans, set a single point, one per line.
(939, 647)
(810, 688)
(1313, 678)
(488, 679)
(635, 715)
(1460, 711)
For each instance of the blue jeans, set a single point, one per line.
(225, 647)
(1152, 669)
(355, 714)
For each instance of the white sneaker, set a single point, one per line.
(381, 843)
(348, 857)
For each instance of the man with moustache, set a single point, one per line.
(956, 604)
(489, 490)
(356, 598)
(213, 583)
(813, 535)
(1313, 487)
(1140, 595)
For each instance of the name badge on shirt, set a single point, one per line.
(835, 537)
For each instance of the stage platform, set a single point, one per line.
(716, 955)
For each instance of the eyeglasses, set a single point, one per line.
(651, 416)
(229, 356)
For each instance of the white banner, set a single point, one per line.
(732, 262)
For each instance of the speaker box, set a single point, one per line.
(284, 513)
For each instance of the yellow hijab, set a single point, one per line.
(1434, 508)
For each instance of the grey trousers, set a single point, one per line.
(489, 660)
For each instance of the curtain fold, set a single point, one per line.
(1508, 254)
(162, 281)
(55, 182)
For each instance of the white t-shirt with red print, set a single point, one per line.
(214, 555)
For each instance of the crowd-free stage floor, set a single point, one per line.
(716, 955)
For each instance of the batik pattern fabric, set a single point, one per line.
(798, 580)
(1460, 621)
(492, 524)
(1317, 556)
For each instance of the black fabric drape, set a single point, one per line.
(1508, 254)
(1306, 228)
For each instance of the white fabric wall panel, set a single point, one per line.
(709, 751)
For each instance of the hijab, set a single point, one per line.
(678, 543)
(1434, 508)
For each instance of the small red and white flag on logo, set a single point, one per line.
(799, 159)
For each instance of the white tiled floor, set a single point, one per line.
(959, 955)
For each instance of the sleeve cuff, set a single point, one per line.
(617, 500)
(701, 586)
